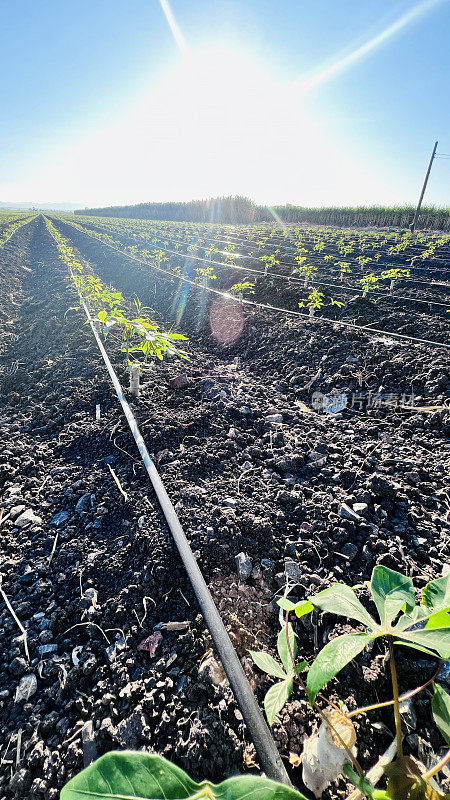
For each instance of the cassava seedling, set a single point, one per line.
(269, 262)
(307, 271)
(313, 302)
(344, 267)
(393, 275)
(204, 275)
(363, 260)
(369, 283)
(244, 288)
(424, 627)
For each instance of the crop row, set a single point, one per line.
(11, 227)
(141, 338)
(303, 269)
(325, 248)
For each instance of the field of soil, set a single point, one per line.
(254, 470)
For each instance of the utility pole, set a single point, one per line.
(416, 215)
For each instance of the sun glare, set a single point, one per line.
(219, 122)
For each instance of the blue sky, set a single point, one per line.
(315, 103)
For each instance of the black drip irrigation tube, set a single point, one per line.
(265, 746)
(264, 306)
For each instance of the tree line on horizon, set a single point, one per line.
(240, 211)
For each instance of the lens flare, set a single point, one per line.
(226, 320)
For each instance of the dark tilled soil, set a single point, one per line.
(241, 481)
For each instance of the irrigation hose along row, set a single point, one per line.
(134, 234)
(264, 307)
(264, 744)
(245, 243)
(294, 279)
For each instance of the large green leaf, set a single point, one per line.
(141, 776)
(268, 664)
(341, 600)
(334, 656)
(440, 705)
(437, 639)
(415, 647)
(276, 697)
(391, 592)
(283, 649)
(436, 594)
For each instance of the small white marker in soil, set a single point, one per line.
(97, 411)
(134, 380)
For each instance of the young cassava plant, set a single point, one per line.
(314, 301)
(424, 627)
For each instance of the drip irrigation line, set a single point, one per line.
(295, 279)
(136, 233)
(266, 749)
(265, 307)
(307, 237)
(288, 227)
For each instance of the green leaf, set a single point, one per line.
(415, 647)
(436, 594)
(128, 775)
(439, 620)
(102, 314)
(276, 697)
(334, 656)
(436, 639)
(417, 614)
(341, 600)
(286, 605)
(303, 608)
(268, 664)
(391, 592)
(360, 781)
(283, 649)
(440, 705)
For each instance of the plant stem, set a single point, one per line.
(321, 714)
(398, 721)
(299, 677)
(437, 767)
(403, 697)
